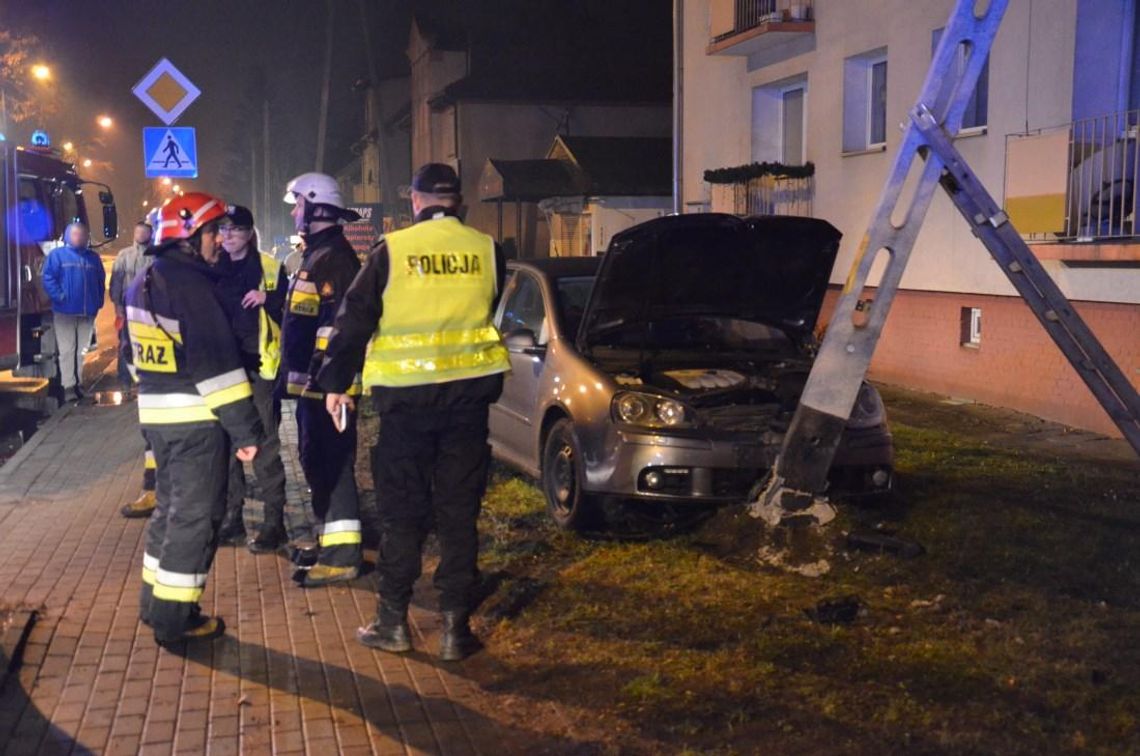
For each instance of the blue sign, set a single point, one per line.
(170, 151)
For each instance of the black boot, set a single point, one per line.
(389, 631)
(268, 540)
(457, 641)
(232, 530)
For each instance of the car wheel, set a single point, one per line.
(569, 505)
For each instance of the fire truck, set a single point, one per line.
(40, 193)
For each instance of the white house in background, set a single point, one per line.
(829, 81)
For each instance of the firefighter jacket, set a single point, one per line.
(421, 309)
(327, 270)
(257, 329)
(186, 360)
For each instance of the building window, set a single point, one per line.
(977, 112)
(971, 335)
(865, 101)
(779, 121)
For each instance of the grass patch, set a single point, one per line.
(1015, 633)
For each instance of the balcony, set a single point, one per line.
(763, 189)
(1072, 191)
(747, 27)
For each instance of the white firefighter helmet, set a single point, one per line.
(316, 188)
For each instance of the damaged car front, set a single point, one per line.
(692, 353)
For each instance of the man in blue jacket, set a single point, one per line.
(74, 279)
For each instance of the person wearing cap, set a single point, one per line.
(418, 321)
(327, 454)
(251, 289)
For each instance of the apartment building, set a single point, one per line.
(1052, 130)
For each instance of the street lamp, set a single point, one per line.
(105, 121)
(176, 189)
(87, 163)
(68, 147)
(166, 180)
(40, 72)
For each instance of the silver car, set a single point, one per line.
(669, 369)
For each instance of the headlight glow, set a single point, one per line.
(650, 411)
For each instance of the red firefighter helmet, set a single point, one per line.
(184, 215)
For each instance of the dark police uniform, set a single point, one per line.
(327, 456)
(256, 271)
(193, 392)
(422, 308)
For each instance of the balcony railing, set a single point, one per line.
(1103, 168)
(1077, 182)
(749, 14)
(765, 195)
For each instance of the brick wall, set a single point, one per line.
(1016, 365)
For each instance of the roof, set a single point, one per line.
(529, 180)
(561, 267)
(584, 167)
(623, 166)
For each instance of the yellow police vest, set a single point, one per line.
(436, 322)
(268, 332)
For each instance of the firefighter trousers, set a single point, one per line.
(328, 458)
(267, 466)
(430, 469)
(181, 536)
(149, 467)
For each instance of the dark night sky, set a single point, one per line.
(99, 49)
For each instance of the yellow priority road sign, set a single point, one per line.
(166, 91)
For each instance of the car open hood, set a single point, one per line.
(770, 269)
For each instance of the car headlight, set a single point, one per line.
(650, 411)
(868, 411)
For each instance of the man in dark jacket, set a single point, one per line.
(327, 454)
(418, 320)
(251, 283)
(75, 281)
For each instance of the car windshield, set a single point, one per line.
(703, 332)
(573, 293)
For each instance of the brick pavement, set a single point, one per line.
(288, 677)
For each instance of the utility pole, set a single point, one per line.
(253, 175)
(678, 101)
(377, 110)
(323, 122)
(265, 166)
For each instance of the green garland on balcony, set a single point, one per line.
(742, 173)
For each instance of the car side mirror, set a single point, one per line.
(523, 341)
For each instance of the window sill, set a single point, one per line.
(973, 131)
(968, 345)
(873, 150)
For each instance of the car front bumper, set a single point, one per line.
(722, 469)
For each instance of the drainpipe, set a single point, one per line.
(1127, 41)
(678, 99)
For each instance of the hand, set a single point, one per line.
(333, 403)
(253, 298)
(246, 453)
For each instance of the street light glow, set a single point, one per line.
(166, 180)
(145, 203)
(87, 163)
(41, 72)
(105, 121)
(68, 146)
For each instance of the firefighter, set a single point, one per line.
(193, 391)
(327, 456)
(251, 289)
(418, 320)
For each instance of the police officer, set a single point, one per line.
(193, 392)
(418, 318)
(251, 289)
(327, 456)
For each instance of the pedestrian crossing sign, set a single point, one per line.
(170, 152)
